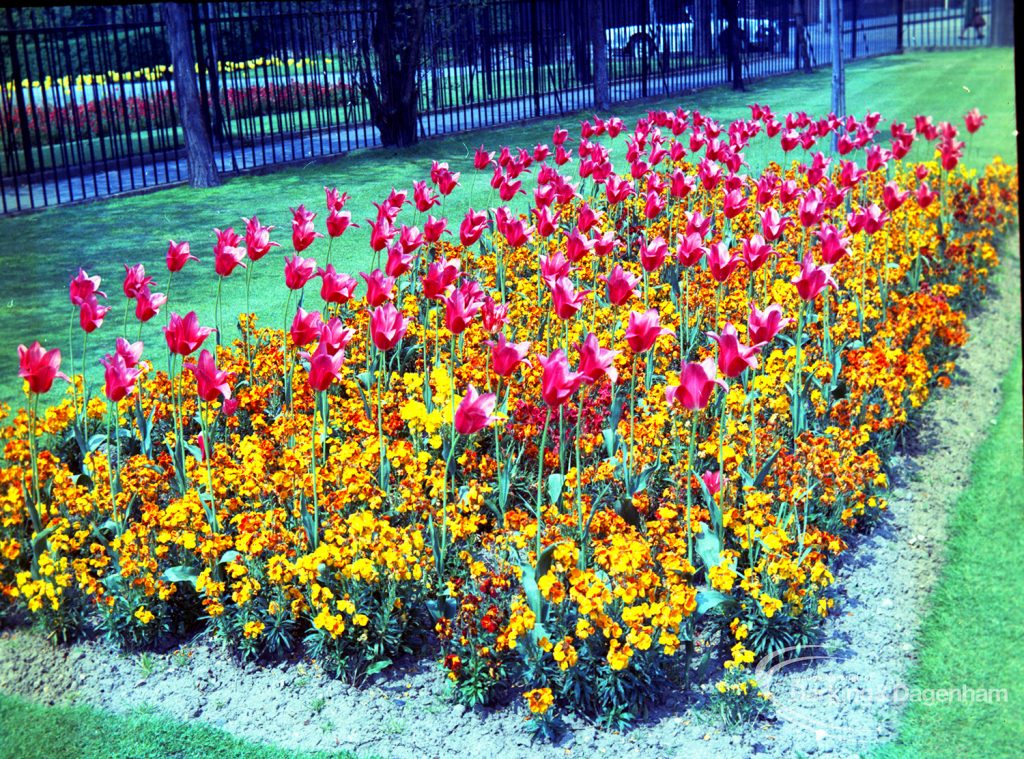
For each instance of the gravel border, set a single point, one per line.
(842, 703)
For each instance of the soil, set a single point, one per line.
(840, 700)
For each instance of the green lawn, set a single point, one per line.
(44, 250)
(31, 731)
(974, 631)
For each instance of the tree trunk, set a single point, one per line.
(202, 170)
(838, 65)
(734, 46)
(702, 42)
(396, 36)
(1001, 32)
(803, 55)
(602, 93)
(578, 34)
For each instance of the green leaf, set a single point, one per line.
(83, 481)
(766, 468)
(625, 509)
(229, 557)
(378, 666)
(709, 548)
(556, 483)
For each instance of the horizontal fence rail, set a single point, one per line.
(88, 103)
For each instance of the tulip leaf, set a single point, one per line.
(625, 509)
(544, 561)
(180, 574)
(708, 599)
(766, 467)
(378, 666)
(229, 557)
(82, 480)
(709, 548)
(556, 484)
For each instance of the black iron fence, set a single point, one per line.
(88, 105)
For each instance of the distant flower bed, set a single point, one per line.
(107, 116)
(609, 445)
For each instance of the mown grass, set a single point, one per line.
(974, 632)
(42, 251)
(31, 731)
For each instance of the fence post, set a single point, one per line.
(19, 93)
(853, 32)
(899, 25)
(535, 55)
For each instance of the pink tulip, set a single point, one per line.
(833, 244)
(335, 287)
(773, 224)
(211, 383)
(596, 361)
(655, 205)
(653, 254)
(547, 222)
(566, 301)
(763, 326)
(494, 315)
(690, 249)
(324, 366)
(382, 232)
(733, 356)
(434, 228)
(696, 381)
(134, 280)
(812, 208)
(482, 159)
(118, 378)
(130, 352)
(424, 197)
(184, 335)
(298, 271)
(924, 195)
(974, 120)
(257, 239)
(39, 367)
(336, 335)
(755, 252)
(91, 313)
(83, 287)
(644, 329)
(398, 262)
(226, 238)
(303, 233)
(226, 258)
(178, 254)
(697, 222)
(506, 357)
(305, 327)
(577, 246)
(721, 263)
(459, 312)
(387, 326)
(621, 285)
(712, 481)
(558, 383)
(588, 218)
(335, 202)
(147, 304)
(379, 287)
(812, 279)
(892, 197)
(475, 411)
(439, 277)
(472, 227)
(734, 204)
(339, 221)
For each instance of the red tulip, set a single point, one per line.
(39, 367)
(506, 357)
(338, 222)
(83, 287)
(211, 382)
(924, 196)
(892, 197)
(184, 335)
(763, 326)
(424, 197)
(335, 202)
(134, 280)
(755, 252)
(335, 335)
(130, 352)
(833, 244)
(335, 287)
(734, 204)
(696, 381)
(459, 311)
(178, 254)
(812, 208)
(596, 361)
(91, 313)
(644, 329)
(558, 383)
(721, 263)
(812, 279)
(257, 239)
(475, 412)
(324, 366)
(712, 481)
(147, 304)
(482, 159)
(653, 255)
(690, 249)
(387, 326)
(434, 228)
(577, 246)
(697, 222)
(305, 327)
(494, 315)
(733, 356)
(379, 287)
(118, 378)
(226, 238)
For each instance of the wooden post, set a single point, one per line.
(202, 170)
(599, 43)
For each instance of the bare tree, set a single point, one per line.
(390, 46)
(803, 55)
(202, 170)
(702, 38)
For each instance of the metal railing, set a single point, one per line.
(87, 107)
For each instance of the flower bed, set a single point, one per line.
(589, 452)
